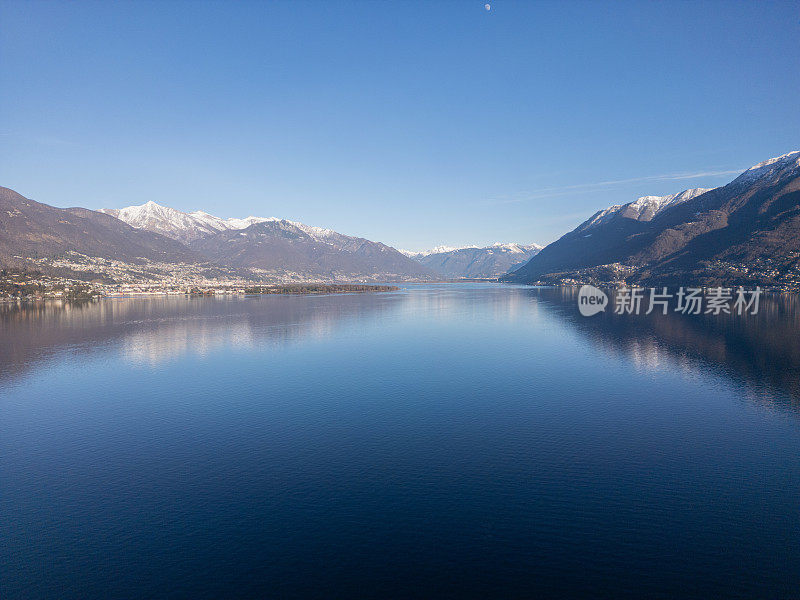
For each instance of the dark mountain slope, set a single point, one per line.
(745, 231)
(283, 248)
(36, 230)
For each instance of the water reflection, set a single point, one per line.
(761, 351)
(156, 329)
(472, 440)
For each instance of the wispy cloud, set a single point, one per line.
(567, 190)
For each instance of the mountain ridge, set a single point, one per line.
(282, 248)
(32, 229)
(279, 247)
(487, 262)
(173, 223)
(644, 208)
(79, 242)
(746, 231)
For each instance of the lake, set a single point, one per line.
(449, 440)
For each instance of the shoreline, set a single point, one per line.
(278, 289)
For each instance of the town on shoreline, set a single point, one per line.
(26, 286)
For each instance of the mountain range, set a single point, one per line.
(743, 233)
(181, 226)
(32, 230)
(486, 262)
(268, 249)
(149, 237)
(279, 247)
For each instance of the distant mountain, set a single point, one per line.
(181, 226)
(30, 229)
(276, 247)
(435, 250)
(745, 232)
(474, 262)
(76, 241)
(286, 249)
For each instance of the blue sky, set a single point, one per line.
(412, 123)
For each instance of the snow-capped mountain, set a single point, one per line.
(434, 250)
(772, 169)
(30, 229)
(172, 223)
(641, 209)
(497, 246)
(188, 227)
(475, 262)
(225, 224)
(745, 232)
(279, 247)
(647, 207)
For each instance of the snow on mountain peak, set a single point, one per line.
(176, 224)
(772, 167)
(513, 248)
(234, 223)
(656, 204)
(643, 208)
(441, 249)
(794, 155)
(187, 227)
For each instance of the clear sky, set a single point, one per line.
(411, 123)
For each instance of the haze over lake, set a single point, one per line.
(451, 440)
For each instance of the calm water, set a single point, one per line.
(452, 441)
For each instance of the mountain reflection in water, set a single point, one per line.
(760, 350)
(447, 440)
(154, 329)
